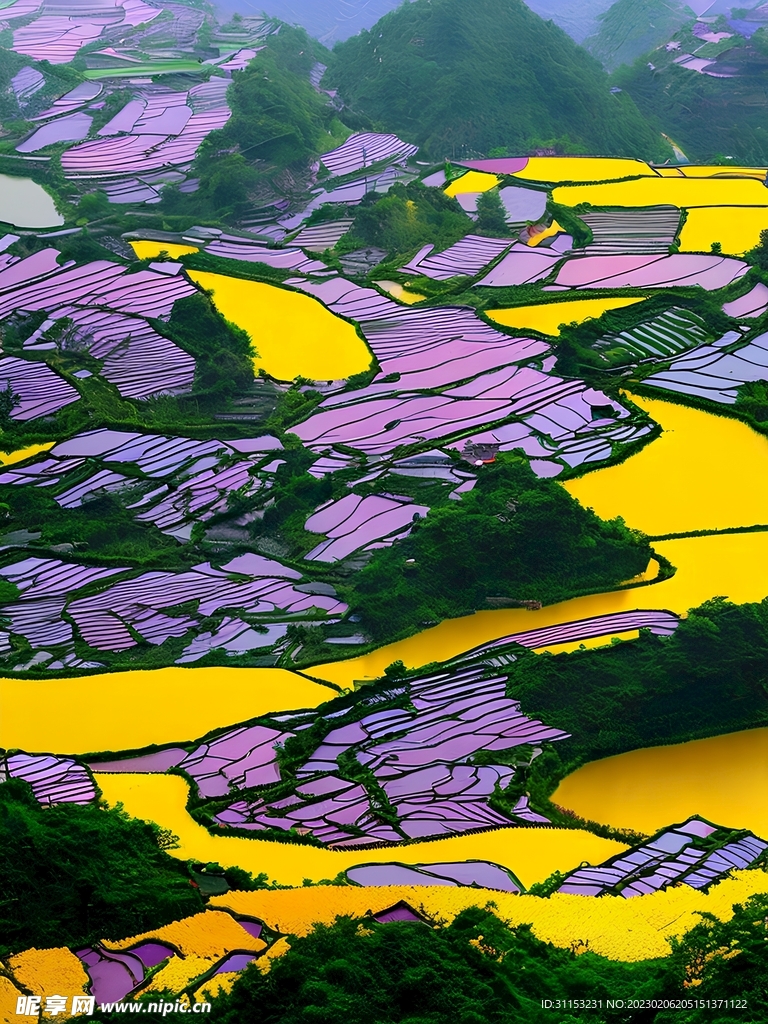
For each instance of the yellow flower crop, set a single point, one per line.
(211, 934)
(649, 788)
(618, 928)
(48, 972)
(177, 696)
(294, 334)
(178, 974)
(218, 983)
(8, 996)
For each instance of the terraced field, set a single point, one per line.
(189, 529)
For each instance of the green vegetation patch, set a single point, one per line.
(514, 538)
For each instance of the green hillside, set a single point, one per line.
(631, 28)
(710, 118)
(467, 77)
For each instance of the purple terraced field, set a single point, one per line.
(140, 362)
(54, 779)
(749, 306)
(110, 619)
(70, 128)
(651, 271)
(670, 858)
(467, 257)
(40, 391)
(354, 522)
(707, 372)
(364, 149)
(231, 247)
(474, 872)
(522, 265)
(84, 93)
(199, 476)
(55, 39)
(422, 761)
(500, 165)
(113, 975)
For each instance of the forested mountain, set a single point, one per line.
(463, 79)
(710, 94)
(631, 28)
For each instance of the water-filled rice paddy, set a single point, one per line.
(579, 168)
(736, 228)
(547, 317)
(621, 929)
(723, 779)
(294, 334)
(532, 854)
(472, 181)
(149, 706)
(657, 191)
(147, 250)
(705, 472)
(732, 565)
(25, 204)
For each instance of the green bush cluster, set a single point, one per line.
(514, 536)
(75, 874)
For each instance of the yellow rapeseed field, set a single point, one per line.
(150, 250)
(582, 168)
(179, 974)
(295, 335)
(8, 996)
(654, 191)
(621, 929)
(211, 935)
(472, 181)
(715, 171)
(155, 706)
(704, 472)
(11, 458)
(723, 779)
(546, 317)
(531, 853)
(736, 228)
(49, 972)
(215, 986)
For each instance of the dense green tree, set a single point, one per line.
(514, 536)
(406, 218)
(223, 351)
(491, 216)
(72, 874)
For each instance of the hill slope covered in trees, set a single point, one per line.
(463, 79)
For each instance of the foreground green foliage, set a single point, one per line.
(709, 677)
(467, 68)
(479, 971)
(72, 875)
(514, 537)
